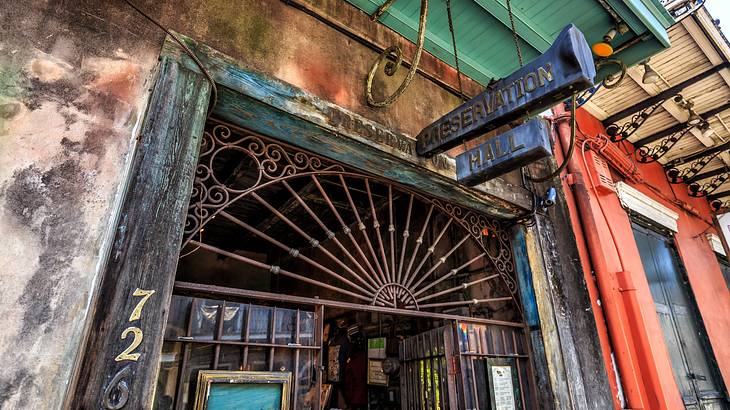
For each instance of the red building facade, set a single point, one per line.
(656, 283)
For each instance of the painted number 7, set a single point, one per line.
(134, 330)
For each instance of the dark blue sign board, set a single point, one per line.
(565, 68)
(503, 153)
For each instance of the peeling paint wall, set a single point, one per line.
(73, 86)
(74, 83)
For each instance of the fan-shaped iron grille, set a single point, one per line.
(287, 213)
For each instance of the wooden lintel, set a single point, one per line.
(272, 107)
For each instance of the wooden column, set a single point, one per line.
(573, 355)
(119, 369)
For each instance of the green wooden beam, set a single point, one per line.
(526, 30)
(441, 48)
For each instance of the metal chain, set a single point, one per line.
(514, 33)
(456, 55)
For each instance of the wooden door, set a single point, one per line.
(692, 360)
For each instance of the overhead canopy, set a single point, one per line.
(484, 37)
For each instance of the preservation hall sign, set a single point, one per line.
(565, 68)
(503, 153)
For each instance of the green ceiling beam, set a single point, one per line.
(526, 30)
(442, 49)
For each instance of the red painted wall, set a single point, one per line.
(713, 298)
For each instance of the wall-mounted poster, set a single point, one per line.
(227, 390)
(376, 375)
(376, 348)
(504, 384)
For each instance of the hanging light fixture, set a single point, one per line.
(650, 76)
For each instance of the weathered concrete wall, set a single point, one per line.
(73, 86)
(74, 78)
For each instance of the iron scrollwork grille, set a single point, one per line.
(371, 240)
(646, 155)
(621, 132)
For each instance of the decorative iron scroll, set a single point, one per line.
(624, 131)
(677, 176)
(645, 154)
(393, 57)
(698, 190)
(376, 259)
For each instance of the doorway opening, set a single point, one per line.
(367, 294)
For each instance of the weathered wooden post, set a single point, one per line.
(120, 365)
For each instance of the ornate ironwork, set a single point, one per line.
(718, 205)
(646, 155)
(677, 176)
(621, 132)
(369, 256)
(393, 57)
(612, 80)
(696, 189)
(586, 95)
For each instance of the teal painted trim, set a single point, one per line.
(408, 28)
(539, 40)
(660, 13)
(634, 23)
(650, 19)
(524, 277)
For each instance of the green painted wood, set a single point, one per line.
(146, 249)
(484, 38)
(280, 110)
(532, 34)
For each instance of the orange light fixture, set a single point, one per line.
(602, 49)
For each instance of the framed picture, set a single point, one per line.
(223, 390)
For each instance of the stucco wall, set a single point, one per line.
(73, 87)
(74, 81)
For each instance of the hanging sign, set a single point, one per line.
(566, 67)
(504, 153)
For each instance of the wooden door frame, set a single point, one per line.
(124, 341)
(146, 245)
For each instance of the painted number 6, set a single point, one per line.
(136, 332)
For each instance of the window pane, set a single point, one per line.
(167, 377)
(231, 358)
(286, 326)
(260, 325)
(307, 382)
(233, 318)
(201, 358)
(258, 359)
(283, 360)
(205, 314)
(177, 320)
(306, 328)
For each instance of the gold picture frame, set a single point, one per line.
(214, 386)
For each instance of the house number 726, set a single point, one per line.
(136, 332)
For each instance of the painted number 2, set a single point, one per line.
(128, 353)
